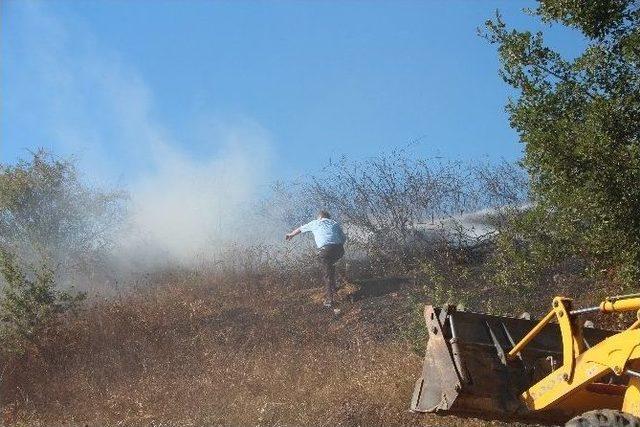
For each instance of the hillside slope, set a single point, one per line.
(195, 353)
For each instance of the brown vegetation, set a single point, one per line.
(195, 352)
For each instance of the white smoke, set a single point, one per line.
(185, 208)
(189, 194)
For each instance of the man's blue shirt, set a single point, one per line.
(325, 232)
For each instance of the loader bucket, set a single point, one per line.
(465, 367)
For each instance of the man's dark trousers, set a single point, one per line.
(328, 256)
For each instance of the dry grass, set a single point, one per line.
(256, 353)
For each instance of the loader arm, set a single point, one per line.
(618, 354)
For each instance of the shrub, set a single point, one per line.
(28, 306)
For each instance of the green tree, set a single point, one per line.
(50, 222)
(579, 121)
(48, 215)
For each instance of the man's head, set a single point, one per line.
(323, 214)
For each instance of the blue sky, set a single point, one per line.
(124, 85)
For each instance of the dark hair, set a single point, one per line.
(324, 214)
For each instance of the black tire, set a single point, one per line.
(604, 418)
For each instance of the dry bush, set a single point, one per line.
(397, 206)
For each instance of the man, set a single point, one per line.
(330, 240)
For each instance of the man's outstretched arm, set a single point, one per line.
(292, 234)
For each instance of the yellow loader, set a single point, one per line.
(515, 369)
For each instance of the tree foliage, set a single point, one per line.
(47, 215)
(579, 121)
(50, 222)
